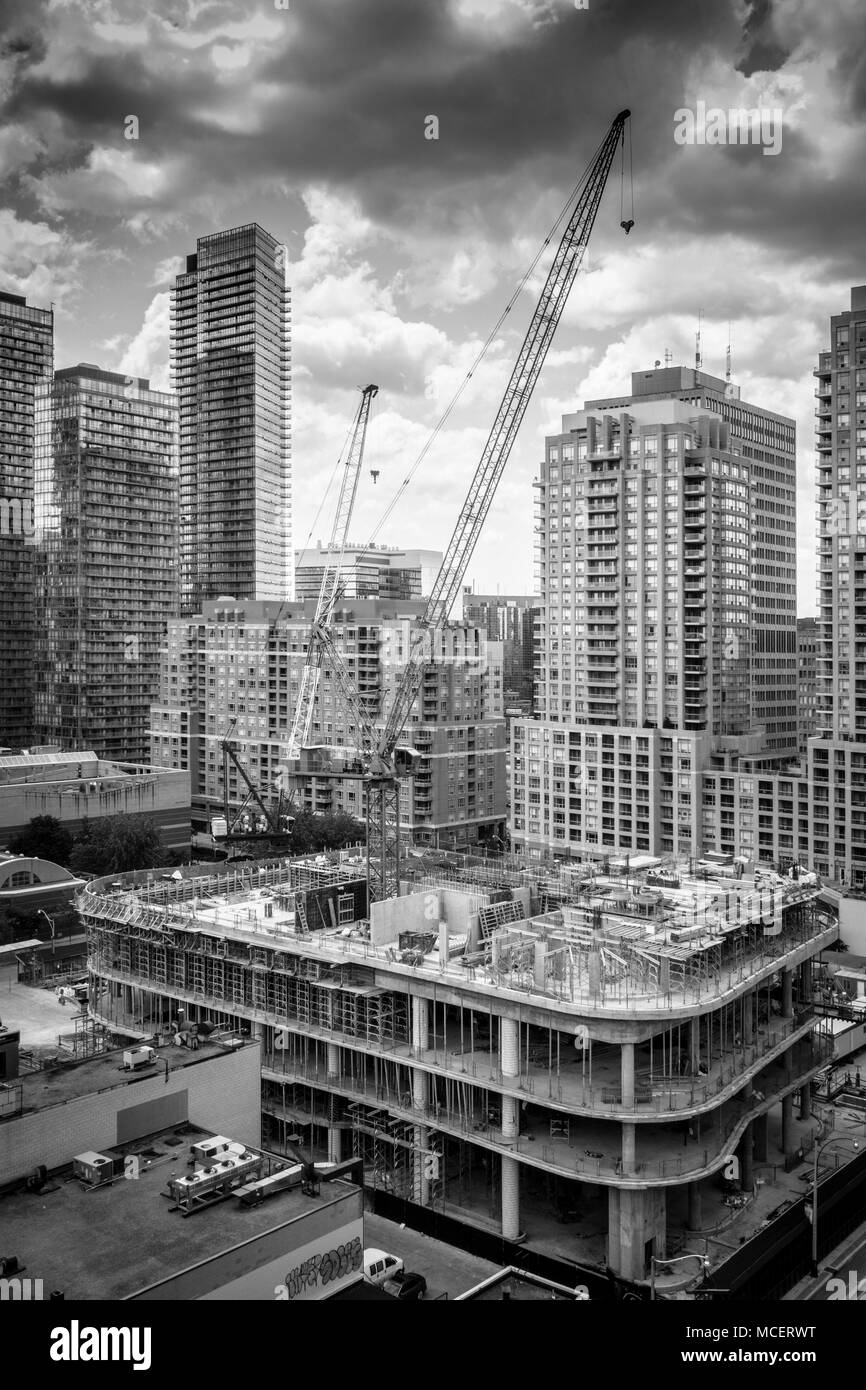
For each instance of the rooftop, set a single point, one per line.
(81, 1241)
(104, 1072)
(80, 764)
(654, 941)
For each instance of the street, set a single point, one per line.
(847, 1282)
(446, 1269)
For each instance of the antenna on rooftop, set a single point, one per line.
(728, 356)
(698, 359)
(669, 357)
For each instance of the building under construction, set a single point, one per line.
(573, 1054)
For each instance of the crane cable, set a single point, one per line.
(563, 215)
(340, 459)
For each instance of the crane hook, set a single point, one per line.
(627, 226)
(374, 473)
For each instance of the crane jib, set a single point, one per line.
(509, 417)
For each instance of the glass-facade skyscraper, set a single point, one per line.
(106, 557)
(231, 372)
(26, 358)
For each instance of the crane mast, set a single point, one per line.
(329, 590)
(382, 779)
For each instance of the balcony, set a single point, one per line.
(588, 1146)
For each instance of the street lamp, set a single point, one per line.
(678, 1259)
(819, 1149)
(50, 920)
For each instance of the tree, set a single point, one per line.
(328, 831)
(116, 845)
(44, 837)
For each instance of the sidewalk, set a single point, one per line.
(836, 1259)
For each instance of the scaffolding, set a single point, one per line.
(88, 1039)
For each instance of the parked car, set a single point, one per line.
(406, 1284)
(379, 1266)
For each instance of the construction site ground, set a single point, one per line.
(38, 1014)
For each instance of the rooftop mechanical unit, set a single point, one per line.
(93, 1168)
(136, 1057)
(207, 1151)
(216, 1181)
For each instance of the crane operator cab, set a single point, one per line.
(406, 761)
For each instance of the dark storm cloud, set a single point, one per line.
(21, 26)
(850, 72)
(342, 98)
(763, 51)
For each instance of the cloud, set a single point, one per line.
(166, 270)
(147, 354)
(405, 250)
(39, 261)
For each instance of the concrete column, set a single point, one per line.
(420, 1025)
(443, 943)
(806, 1101)
(613, 1242)
(420, 1089)
(335, 1144)
(509, 1118)
(420, 1181)
(746, 1153)
(509, 1060)
(628, 1146)
(636, 1227)
(749, 1018)
(695, 1214)
(695, 1044)
(627, 1074)
(760, 1128)
(539, 965)
(788, 1123)
(420, 1100)
(510, 1198)
(787, 994)
(335, 1135)
(509, 1046)
(664, 975)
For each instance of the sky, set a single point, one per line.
(311, 117)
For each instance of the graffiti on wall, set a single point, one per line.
(321, 1270)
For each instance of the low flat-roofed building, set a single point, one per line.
(78, 786)
(129, 1241)
(97, 1103)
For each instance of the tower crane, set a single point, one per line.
(329, 591)
(381, 760)
(256, 819)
